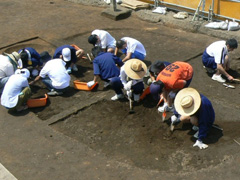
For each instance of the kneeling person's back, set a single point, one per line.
(56, 71)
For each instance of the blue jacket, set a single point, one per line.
(35, 56)
(104, 65)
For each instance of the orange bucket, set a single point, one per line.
(83, 85)
(39, 102)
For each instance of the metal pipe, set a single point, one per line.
(171, 4)
(114, 4)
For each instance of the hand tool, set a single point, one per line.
(131, 111)
(164, 114)
(89, 58)
(229, 86)
(238, 80)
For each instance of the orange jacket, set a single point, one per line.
(175, 75)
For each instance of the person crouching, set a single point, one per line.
(16, 91)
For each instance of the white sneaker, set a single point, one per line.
(74, 67)
(136, 97)
(117, 96)
(218, 78)
(69, 70)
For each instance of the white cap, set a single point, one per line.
(23, 72)
(66, 53)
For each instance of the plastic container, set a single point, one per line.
(83, 85)
(39, 102)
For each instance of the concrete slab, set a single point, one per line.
(120, 13)
(5, 174)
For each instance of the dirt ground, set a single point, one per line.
(141, 139)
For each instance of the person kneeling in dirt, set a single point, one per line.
(70, 55)
(29, 57)
(8, 65)
(16, 91)
(131, 79)
(132, 48)
(102, 39)
(54, 76)
(105, 65)
(169, 81)
(196, 108)
(216, 58)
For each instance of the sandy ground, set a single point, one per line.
(141, 139)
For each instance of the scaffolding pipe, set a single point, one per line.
(217, 15)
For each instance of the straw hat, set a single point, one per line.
(187, 101)
(14, 56)
(135, 68)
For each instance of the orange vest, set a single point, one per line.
(174, 73)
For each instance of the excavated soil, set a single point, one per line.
(142, 139)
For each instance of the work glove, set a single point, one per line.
(128, 86)
(200, 144)
(129, 94)
(90, 83)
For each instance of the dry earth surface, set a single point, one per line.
(141, 139)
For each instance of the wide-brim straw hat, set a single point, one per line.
(14, 56)
(187, 101)
(135, 69)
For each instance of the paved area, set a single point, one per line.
(29, 148)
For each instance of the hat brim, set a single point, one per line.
(11, 57)
(196, 101)
(133, 74)
(66, 59)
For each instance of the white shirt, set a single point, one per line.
(134, 45)
(124, 78)
(6, 67)
(218, 50)
(105, 38)
(56, 71)
(12, 89)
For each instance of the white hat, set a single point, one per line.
(66, 53)
(135, 68)
(23, 72)
(187, 101)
